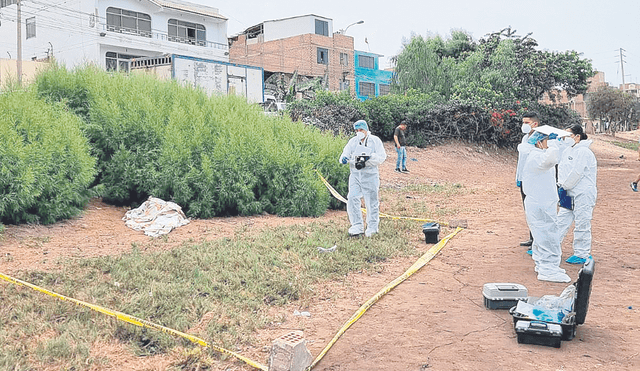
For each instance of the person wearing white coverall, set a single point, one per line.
(364, 182)
(530, 121)
(577, 173)
(539, 182)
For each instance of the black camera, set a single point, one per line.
(360, 160)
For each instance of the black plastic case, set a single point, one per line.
(539, 333)
(431, 232)
(581, 305)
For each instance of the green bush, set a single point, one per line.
(388, 111)
(45, 161)
(556, 116)
(483, 116)
(212, 155)
(329, 112)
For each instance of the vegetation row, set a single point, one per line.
(128, 137)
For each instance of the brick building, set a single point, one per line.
(631, 88)
(302, 46)
(578, 103)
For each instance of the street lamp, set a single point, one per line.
(344, 32)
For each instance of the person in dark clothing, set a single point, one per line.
(400, 142)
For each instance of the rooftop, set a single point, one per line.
(189, 7)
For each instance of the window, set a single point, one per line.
(366, 62)
(323, 56)
(118, 62)
(31, 27)
(384, 89)
(126, 21)
(367, 89)
(344, 59)
(187, 32)
(4, 3)
(322, 28)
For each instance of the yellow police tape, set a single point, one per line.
(135, 321)
(421, 262)
(382, 215)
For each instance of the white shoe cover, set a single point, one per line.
(556, 277)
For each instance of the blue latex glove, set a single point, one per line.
(561, 192)
(344, 159)
(518, 183)
(553, 136)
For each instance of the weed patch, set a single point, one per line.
(233, 281)
(628, 145)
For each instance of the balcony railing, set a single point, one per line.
(164, 37)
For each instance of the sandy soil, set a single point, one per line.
(436, 319)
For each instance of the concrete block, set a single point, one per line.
(289, 353)
(462, 223)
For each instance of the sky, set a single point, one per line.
(598, 29)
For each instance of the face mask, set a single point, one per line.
(526, 128)
(360, 135)
(570, 141)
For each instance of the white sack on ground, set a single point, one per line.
(156, 217)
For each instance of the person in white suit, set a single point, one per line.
(364, 153)
(539, 182)
(577, 172)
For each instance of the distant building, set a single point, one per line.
(110, 33)
(306, 48)
(631, 88)
(578, 102)
(371, 81)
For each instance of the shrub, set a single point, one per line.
(483, 119)
(331, 112)
(45, 161)
(212, 155)
(388, 111)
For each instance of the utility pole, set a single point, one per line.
(622, 66)
(19, 60)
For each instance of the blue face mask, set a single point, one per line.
(536, 137)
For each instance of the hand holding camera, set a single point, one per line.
(361, 160)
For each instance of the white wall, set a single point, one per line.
(283, 28)
(73, 32)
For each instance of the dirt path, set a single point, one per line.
(436, 319)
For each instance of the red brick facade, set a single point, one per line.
(298, 53)
(578, 103)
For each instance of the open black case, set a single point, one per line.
(540, 332)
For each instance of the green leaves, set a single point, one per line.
(211, 155)
(45, 162)
(509, 65)
(615, 107)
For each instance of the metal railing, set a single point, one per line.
(163, 36)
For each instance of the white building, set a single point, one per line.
(111, 32)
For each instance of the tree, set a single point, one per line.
(501, 66)
(420, 67)
(617, 109)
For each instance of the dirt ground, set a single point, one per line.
(436, 319)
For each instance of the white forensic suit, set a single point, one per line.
(577, 173)
(539, 182)
(364, 183)
(523, 150)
